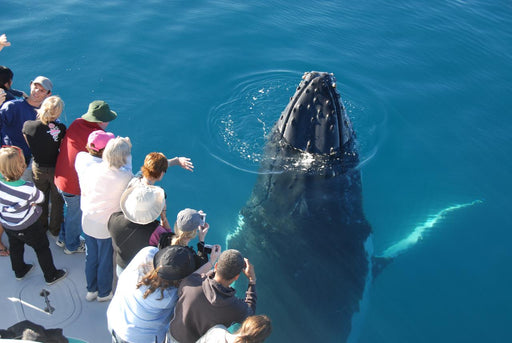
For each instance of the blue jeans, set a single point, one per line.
(72, 221)
(99, 266)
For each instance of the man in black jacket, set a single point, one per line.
(207, 300)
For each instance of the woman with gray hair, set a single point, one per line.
(102, 185)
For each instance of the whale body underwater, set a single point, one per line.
(303, 227)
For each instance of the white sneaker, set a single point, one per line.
(80, 249)
(60, 243)
(91, 296)
(105, 298)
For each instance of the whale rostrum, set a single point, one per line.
(315, 120)
(303, 227)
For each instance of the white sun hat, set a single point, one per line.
(142, 204)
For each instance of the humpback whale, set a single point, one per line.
(304, 227)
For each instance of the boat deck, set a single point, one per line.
(66, 307)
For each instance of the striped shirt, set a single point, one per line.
(18, 201)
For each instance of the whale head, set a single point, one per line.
(315, 120)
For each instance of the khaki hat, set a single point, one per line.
(142, 204)
(99, 112)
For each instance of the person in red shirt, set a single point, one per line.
(97, 117)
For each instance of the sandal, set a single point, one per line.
(4, 252)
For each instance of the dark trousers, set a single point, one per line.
(43, 179)
(35, 237)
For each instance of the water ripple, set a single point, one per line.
(239, 126)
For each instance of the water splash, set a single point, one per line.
(417, 234)
(238, 127)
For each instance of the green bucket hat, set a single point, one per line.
(98, 112)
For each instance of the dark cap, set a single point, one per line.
(230, 264)
(176, 262)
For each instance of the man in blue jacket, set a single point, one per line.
(13, 114)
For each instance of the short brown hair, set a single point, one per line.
(155, 164)
(12, 163)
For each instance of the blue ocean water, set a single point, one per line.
(427, 86)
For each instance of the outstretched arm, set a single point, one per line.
(183, 162)
(4, 42)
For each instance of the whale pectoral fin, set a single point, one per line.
(378, 264)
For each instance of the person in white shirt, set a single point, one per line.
(102, 185)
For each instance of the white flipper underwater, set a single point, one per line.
(417, 234)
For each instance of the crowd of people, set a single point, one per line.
(76, 184)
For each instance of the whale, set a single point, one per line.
(303, 227)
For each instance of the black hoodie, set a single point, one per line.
(203, 303)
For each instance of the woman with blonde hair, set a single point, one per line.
(43, 137)
(102, 185)
(189, 224)
(254, 329)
